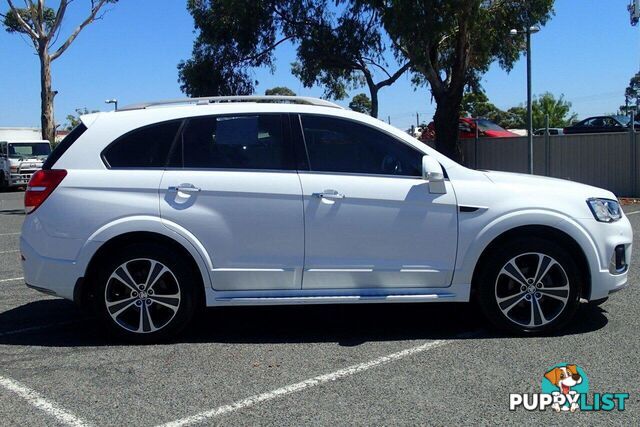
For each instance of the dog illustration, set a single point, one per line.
(564, 378)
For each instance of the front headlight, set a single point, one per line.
(605, 210)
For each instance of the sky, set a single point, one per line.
(588, 51)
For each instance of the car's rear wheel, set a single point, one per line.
(529, 286)
(145, 293)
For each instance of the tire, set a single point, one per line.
(598, 302)
(529, 286)
(160, 302)
(3, 182)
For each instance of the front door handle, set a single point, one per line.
(185, 188)
(328, 194)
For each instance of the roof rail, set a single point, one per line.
(220, 99)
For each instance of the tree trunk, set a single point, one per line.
(446, 123)
(374, 102)
(47, 121)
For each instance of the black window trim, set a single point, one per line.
(121, 137)
(63, 146)
(395, 138)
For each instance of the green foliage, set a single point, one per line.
(460, 39)
(280, 90)
(73, 120)
(234, 36)
(452, 43)
(337, 48)
(558, 110)
(632, 95)
(13, 26)
(476, 104)
(361, 103)
(343, 53)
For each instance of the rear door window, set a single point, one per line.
(234, 142)
(147, 147)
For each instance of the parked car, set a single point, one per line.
(148, 213)
(601, 124)
(20, 159)
(467, 129)
(552, 131)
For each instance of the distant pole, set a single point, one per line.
(389, 119)
(529, 107)
(527, 32)
(475, 145)
(547, 148)
(417, 120)
(634, 156)
(112, 101)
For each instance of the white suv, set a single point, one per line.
(148, 213)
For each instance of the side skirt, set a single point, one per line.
(454, 293)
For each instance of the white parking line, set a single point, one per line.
(9, 252)
(35, 399)
(13, 279)
(306, 384)
(9, 234)
(632, 213)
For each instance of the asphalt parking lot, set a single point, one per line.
(371, 364)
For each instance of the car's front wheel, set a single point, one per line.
(145, 293)
(529, 286)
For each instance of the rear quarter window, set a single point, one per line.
(146, 147)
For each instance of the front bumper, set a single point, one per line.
(614, 242)
(18, 179)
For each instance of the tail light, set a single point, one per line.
(41, 185)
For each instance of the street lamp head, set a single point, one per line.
(534, 29)
(110, 101)
(513, 32)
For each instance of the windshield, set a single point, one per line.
(484, 125)
(20, 150)
(623, 119)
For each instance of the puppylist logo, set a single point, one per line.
(565, 388)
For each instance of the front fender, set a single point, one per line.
(475, 237)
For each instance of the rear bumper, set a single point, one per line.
(49, 275)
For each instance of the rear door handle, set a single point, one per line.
(328, 194)
(185, 188)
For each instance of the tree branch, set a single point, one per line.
(22, 22)
(59, 17)
(40, 20)
(391, 80)
(374, 63)
(92, 16)
(267, 50)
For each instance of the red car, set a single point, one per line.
(467, 127)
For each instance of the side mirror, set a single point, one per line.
(433, 173)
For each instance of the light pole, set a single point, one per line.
(527, 32)
(112, 101)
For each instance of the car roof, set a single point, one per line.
(115, 123)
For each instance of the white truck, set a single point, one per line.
(19, 159)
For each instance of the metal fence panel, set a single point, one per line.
(602, 160)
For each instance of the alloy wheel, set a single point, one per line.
(532, 289)
(142, 295)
